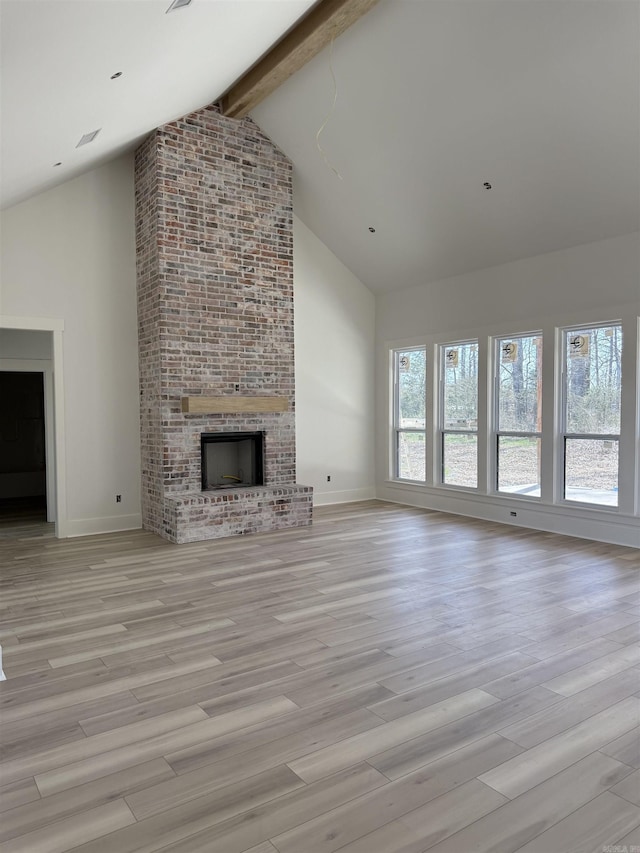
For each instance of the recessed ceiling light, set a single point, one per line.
(116, 75)
(178, 4)
(58, 164)
(88, 137)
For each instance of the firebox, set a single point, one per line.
(231, 459)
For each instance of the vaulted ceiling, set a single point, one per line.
(58, 58)
(539, 99)
(433, 100)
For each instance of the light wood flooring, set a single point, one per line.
(388, 681)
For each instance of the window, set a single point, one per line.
(410, 381)
(459, 414)
(591, 381)
(518, 384)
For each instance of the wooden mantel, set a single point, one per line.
(230, 405)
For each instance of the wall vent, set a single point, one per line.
(178, 4)
(88, 137)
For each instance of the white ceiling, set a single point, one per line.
(57, 57)
(435, 97)
(539, 98)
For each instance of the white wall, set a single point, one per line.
(334, 351)
(69, 253)
(592, 276)
(586, 284)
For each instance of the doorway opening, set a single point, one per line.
(34, 345)
(23, 452)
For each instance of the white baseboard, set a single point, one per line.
(344, 497)
(587, 523)
(110, 524)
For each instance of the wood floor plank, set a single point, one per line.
(432, 822)
(15, 794)
(166, 638)
(429, 672)
(255, 789)
(511, 826)
(73, 831)
(26, 744)
(333, 758)
(544, 672)
(627, 636)
(423, 749)
(630, 841)
(235, 762)
(572, 633)
(359, 669)
(543, 761)
(265, 847)
(48, 810)
(562, 715)
(84, 749)
(219, 680)
(24, 729)
(443, 688)
(626, 748)
(388, 680)
(452, 812)
(590, 829)
(59, 778)
(14, 709)
(597, 670)
(200, 818)
(629, 788)
(343, 825)
(149, 709)
(34, 630)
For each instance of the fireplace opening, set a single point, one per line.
(231, 459)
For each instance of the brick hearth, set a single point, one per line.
(214, 238)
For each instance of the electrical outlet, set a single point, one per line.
(328, 478)
(118, 499)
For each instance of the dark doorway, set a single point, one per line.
(23, 476)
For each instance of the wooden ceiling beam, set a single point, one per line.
(325, 21)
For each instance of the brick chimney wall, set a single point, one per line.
(214, 238)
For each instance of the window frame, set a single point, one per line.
(441, 430)
(496, 432)
(564, 435)
(396, 429)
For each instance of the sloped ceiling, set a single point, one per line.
(58, 56)
(540, 99)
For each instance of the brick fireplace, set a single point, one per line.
(214, 242)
